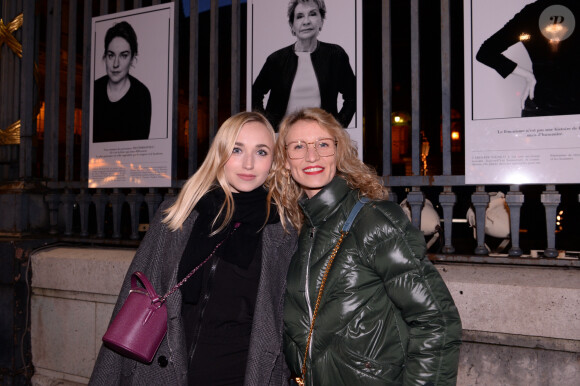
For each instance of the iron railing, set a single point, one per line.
(56, 40)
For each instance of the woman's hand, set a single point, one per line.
(530, 83)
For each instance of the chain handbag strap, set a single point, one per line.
(176, 287)
(345, 229)
(300, 380)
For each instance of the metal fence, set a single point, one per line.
(44, 91)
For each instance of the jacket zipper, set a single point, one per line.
(306, 290)
(204, 300)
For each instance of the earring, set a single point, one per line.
(289, 178)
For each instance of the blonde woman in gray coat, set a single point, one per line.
(225, 323)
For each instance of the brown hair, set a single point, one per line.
(286, 192)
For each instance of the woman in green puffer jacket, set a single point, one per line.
(385, 316)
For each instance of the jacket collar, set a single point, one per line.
(326, 202)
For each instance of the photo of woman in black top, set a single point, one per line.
(308, 73)
(547, 29)
(122, 104)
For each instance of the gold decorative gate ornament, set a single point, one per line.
(11, 136)
(6, 31)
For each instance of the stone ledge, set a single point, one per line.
(44, 377)
(523, 341)
(75, 295)
(90, 270)
(525, 301)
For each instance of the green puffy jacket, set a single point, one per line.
(386, 316)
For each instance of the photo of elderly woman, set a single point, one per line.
(307, 73)
(121, 103)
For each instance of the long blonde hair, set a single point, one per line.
(286, 192)
(211, 175)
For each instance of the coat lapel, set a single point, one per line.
(266, 342)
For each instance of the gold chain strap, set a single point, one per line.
(300, 380)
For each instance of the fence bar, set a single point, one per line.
(415, 90)
(551, 199)
(86, 91)
(104, 7)
(51, 128)
(480, 201)
(387, 83)
(424, 180)
(193, 84)
(27, 87)
(68, 201)
(235, 69)
(70, 90)
(213, 69)
(16, 63)
(117, 199)
(446, 85)
(84, 200)
(515, 199)
(447, 199)
(175, 90)
(134, 199)
(52, 198)
(416, 200)
(100, 200)
(153, 199)
(6, 75)
(10, 77)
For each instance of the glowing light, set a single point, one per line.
(524, 37)
(455, 135)
(517, 177)
(557, 31)
(398, 119)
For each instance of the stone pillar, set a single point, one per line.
(15, 357)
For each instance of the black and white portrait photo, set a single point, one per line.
(121, 102)
(527, 58)
(131, 98)
(522, 91)
(303, 53)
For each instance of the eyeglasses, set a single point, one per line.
(325, 147)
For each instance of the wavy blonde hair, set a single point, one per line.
(211, 174)
(286, 192)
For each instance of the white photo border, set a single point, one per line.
(268, 31)
(139, 162)
(501, 147)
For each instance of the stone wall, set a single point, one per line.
(521, 324)
(73, 294)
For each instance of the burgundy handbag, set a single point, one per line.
(140, 325)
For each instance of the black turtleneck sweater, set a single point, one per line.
(219, 299)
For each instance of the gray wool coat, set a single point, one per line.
(158, 257)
